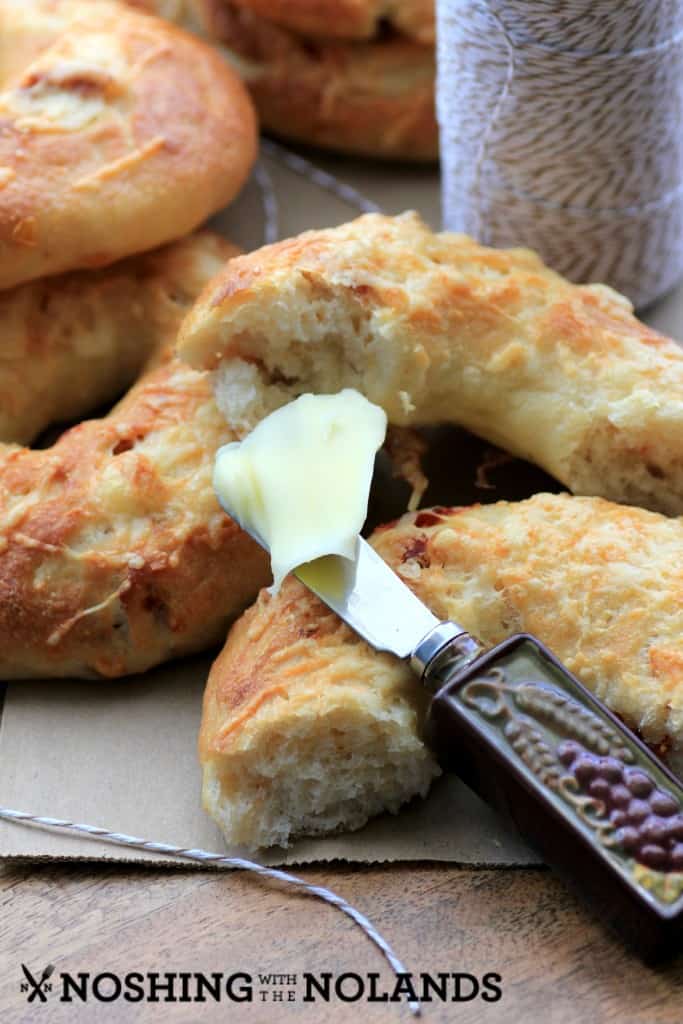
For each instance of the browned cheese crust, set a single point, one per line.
(119, 132)
(372, 96)
(436, 328)
(284, 648)
(114, 554)
(599, 583)
(75, 341)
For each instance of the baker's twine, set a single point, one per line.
(271, 210)
(297, 163)
(197, 855)
(561, 125)
(217, 860)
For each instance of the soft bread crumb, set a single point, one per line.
(314, 775)
(242, 396)
(302, 732)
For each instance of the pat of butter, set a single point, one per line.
(301, 479)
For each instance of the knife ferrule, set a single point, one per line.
(447, 648)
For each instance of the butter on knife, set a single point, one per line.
(301, 479)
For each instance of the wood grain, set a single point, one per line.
(558, 965)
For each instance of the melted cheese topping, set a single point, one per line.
(66, 92)
(301, 479)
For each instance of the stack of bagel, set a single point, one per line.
(120, 135)
(355, 76)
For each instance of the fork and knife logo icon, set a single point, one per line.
(37, 989)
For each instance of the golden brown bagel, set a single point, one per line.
(436, 328)
(114, 554)
(306, 729)
(119, 132)
(371, 96)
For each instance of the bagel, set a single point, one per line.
(306, 729)
(120, 132)
(435, 329)
(372, 96)
(114, 553)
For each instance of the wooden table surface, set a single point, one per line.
(558, 965)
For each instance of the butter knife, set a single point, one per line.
(534, 743)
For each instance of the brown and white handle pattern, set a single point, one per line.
(562, 130)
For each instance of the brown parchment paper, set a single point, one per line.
(122, 754)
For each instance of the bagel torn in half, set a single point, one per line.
(114, 553)
(307, 730)
(438, 329)
(120, 132)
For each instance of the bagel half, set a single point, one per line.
(307, 730)
(119, 132)
(114, 553)
(435, 329)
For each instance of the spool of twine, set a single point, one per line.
(561, 128)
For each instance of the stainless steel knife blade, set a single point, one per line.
(366, 594)
(370, 598)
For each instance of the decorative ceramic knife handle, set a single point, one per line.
(533, 742)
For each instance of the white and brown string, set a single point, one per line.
(297, 163)
(316, 175)
(561, 126)
(206, 857)
(218, 860)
